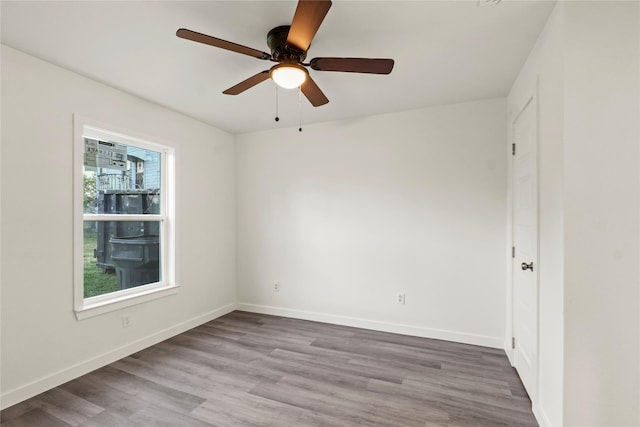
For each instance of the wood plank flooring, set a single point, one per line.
(246, 369)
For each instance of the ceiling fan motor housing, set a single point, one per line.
(280, 50)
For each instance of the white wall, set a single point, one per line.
(543, 76)
(347, 214)
(602, 183)
(587, 67)
(42, 342)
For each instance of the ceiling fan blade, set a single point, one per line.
(222, 44)
(353, 65)
(248, 83)
(313, 92)
(306, 21)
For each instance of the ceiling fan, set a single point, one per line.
(289, 45)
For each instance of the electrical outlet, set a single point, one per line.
(276, 287)
(400, 298)
(126, 321)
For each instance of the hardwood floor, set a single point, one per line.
(247, 369)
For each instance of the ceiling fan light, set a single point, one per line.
(289, 76)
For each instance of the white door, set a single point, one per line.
(525, 242)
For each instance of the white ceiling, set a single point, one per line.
(445, 52)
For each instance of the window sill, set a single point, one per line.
(95, 308)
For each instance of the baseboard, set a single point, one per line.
(397, 328)
(541, 416)
(48, 382)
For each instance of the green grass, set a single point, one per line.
(95, 281)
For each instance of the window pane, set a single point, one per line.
(120, 179)
(120, 255)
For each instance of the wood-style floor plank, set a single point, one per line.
(246, 369)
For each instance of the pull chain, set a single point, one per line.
(300, 109)
(277, 118)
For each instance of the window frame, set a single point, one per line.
(100, 304)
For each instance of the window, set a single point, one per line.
(124, 219)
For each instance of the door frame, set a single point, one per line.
(531, 98)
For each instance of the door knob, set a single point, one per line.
(524, 266)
